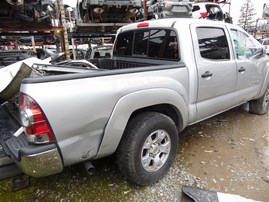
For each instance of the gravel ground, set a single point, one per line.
(107, 184)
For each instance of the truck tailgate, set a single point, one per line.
(8, 126)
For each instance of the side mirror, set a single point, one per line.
(260, 52)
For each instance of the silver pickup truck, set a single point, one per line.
(163, 76)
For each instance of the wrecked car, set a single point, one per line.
(28, 10)
(171, 9)
(211, 11)
(12, 56)
(103, 11)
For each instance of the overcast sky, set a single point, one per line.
(235, 7)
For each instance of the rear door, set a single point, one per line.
(217, 72)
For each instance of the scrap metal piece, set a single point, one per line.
(15, 2)
(13, 87)
(200, 195)
(12, 75)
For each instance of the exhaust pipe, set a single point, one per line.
(89, 167)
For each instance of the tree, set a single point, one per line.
(246, 19)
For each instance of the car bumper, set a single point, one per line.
(170, 14)
(34, 160)
(41, 164)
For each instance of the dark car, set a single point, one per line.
(172, 9)
(12, 56)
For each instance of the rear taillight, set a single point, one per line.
(33, 119)
(203, 14)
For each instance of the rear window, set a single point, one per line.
(156, 43)
(195, 8)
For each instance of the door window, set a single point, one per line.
(243, 45)
(213, 43)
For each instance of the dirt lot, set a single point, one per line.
(228, 153)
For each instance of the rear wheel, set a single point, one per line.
(261, 105)
(148, 148)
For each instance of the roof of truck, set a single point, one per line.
(170, 22)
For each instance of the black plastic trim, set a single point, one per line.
(9, 171)
(14, 144)
(36, 149)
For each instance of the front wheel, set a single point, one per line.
(261, 105)
(148, 148)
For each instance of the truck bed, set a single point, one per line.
(113, 64)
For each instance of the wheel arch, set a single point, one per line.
(165, 101)
(265, 83)
(166, 109)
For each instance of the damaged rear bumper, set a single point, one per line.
(17, 155)
(40, 161)
(34, 160)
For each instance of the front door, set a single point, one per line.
(249, 76)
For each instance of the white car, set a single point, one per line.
(101, 51)
(265, 43)
(207, 10)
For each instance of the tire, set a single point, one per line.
(261, 105)
(151, 138)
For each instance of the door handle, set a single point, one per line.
(207, 74)
(242, 69)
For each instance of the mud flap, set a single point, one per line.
(20, 182)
